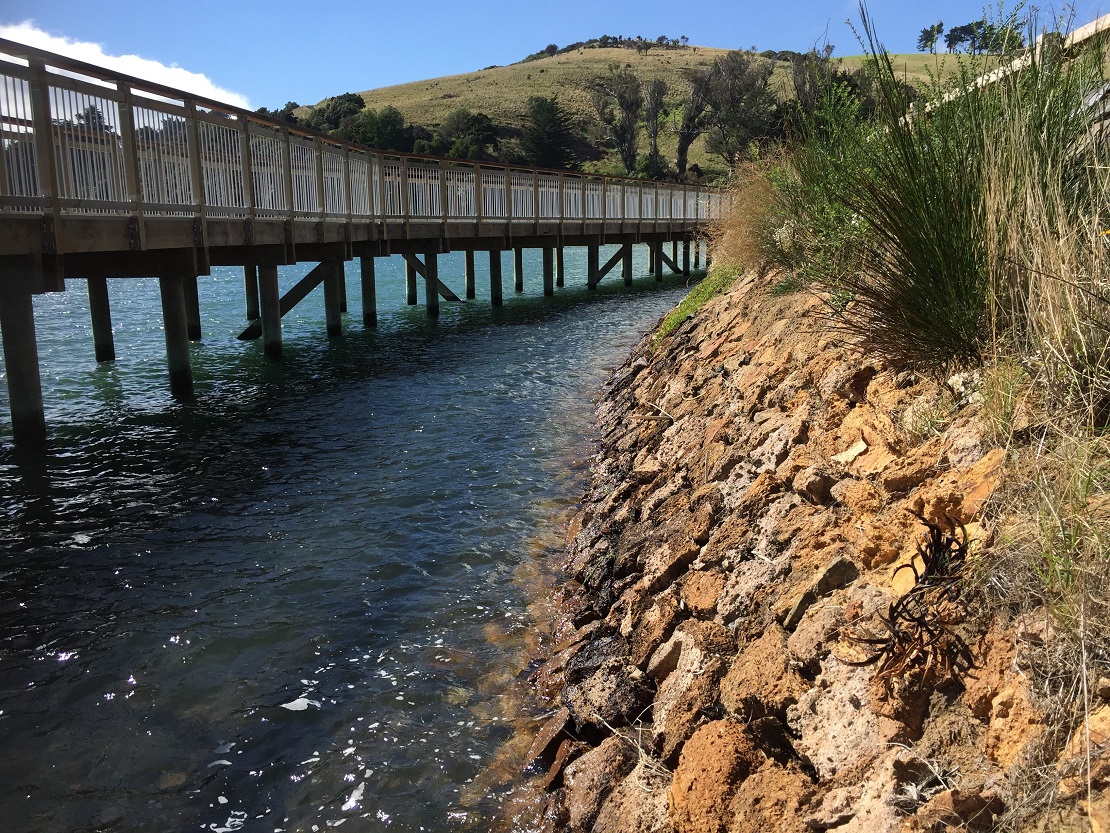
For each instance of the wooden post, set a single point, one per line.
(548, 271)
(560, 267)
(626, 265)
(468, 275)
(674, 251)
(651, 258)
(591, 266)
(518, 269)
(658, 260)
(101, 314)
(342, 277)
(21, 363)
(431, 283)
(495, 278)
(250, 291)
(369, 292)
(410, 284)
(192, 306)
(686, 258)
(176, 328)
(270, 310)
(697, 254)
(333, 299)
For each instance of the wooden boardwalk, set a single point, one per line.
(104, 175)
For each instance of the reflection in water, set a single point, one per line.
(303, 599)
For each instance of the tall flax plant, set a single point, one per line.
(1046, 195)
(920, 294)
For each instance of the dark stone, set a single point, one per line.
(615, 695)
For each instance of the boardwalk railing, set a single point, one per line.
(80, 140)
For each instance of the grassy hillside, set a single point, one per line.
(501, 92)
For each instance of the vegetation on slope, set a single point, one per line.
(966, 231)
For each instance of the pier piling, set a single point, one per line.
(21, 363)
(626, 264)
(518, 269)
(270, 310)
(192, 306)
(591, 266)
(369, 292)
(468, 275)
(686, 258)
(431, 283)
(548, 271)
(333, 299)
(560, 268)
(176, 327)
(495, 292)
(410, 284)
(250, 291)
(100, 312)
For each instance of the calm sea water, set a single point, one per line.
(308, 599)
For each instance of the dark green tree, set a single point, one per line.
(693, 117)
(618, 100)
(332, 113)
(927, 40)
(744, 109)
(547, 140)
(382, 130)
(91, 118)
(654, 111)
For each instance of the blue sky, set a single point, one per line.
(266, 53)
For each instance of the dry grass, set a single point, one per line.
(740, 238)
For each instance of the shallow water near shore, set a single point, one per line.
(293, 604)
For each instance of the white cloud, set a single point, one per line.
(92, 53)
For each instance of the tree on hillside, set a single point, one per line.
(462, 135)
(693, 116)
(654, 110)
(285, 114)
(618, 99)
(927, 40)
(548, 137)
(743, 107)
(382, 130)
(331, 114)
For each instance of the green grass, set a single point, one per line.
(717, 282)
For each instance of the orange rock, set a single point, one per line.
(701, 589)
(714, 761)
